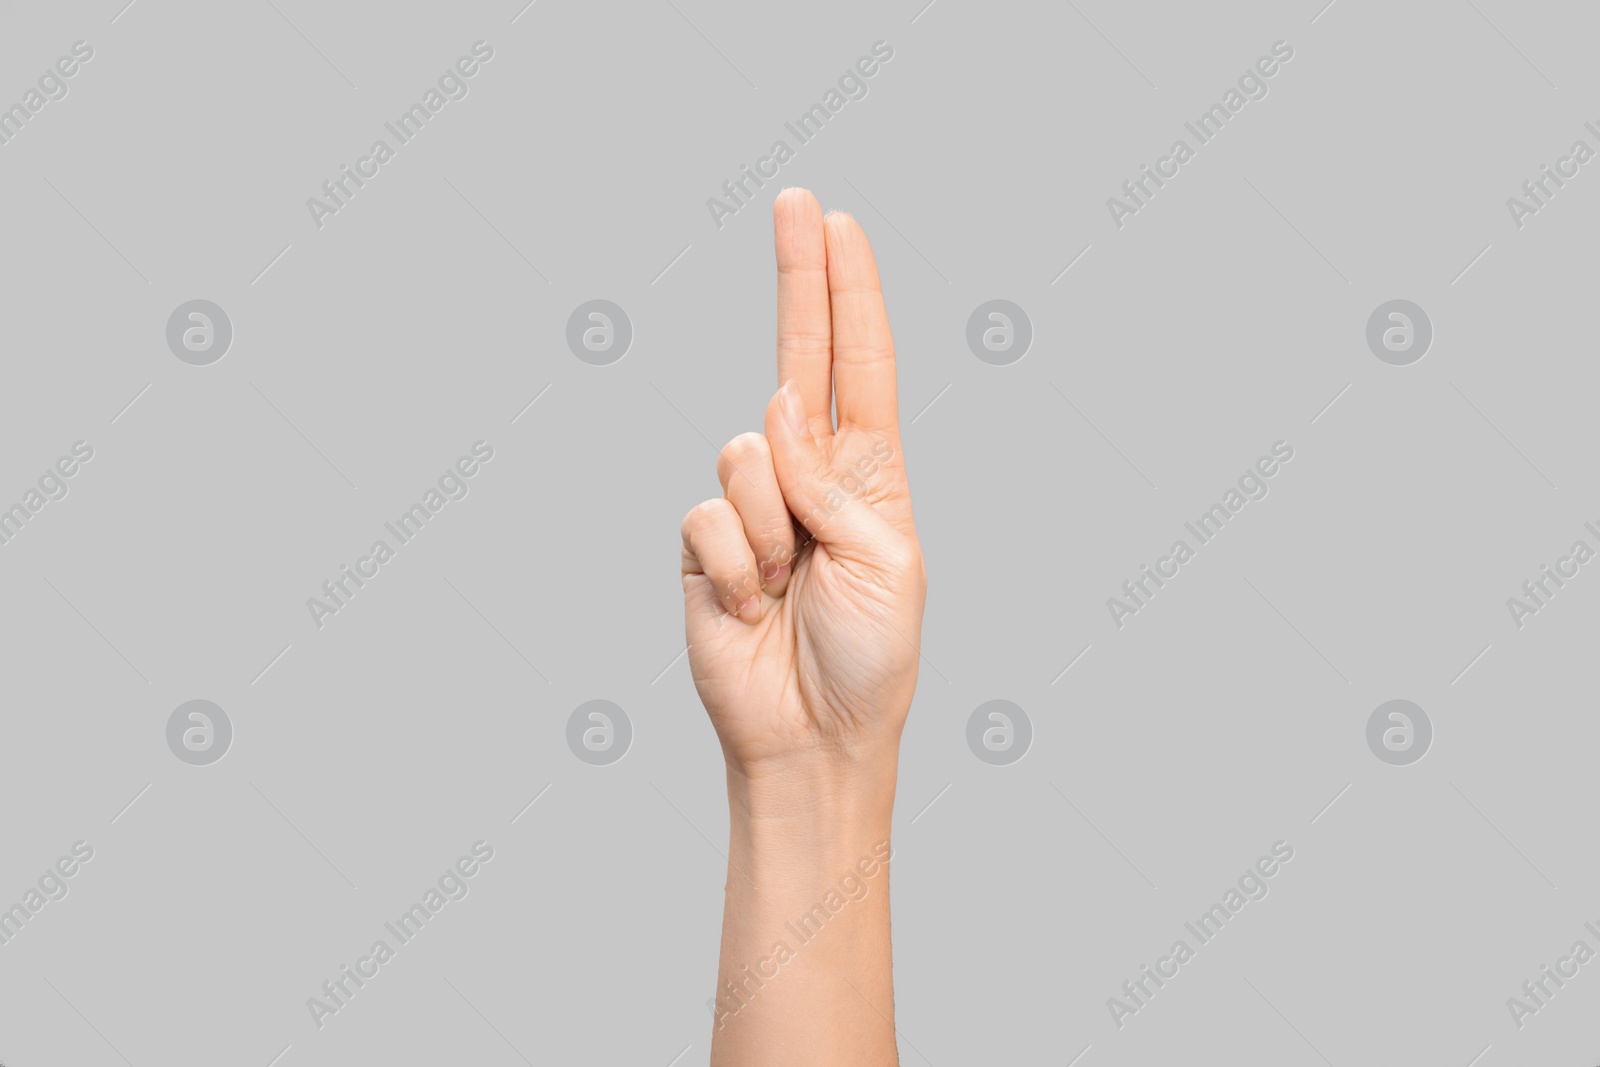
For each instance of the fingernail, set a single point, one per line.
(747, 610)
(774, 572)
(789, 399)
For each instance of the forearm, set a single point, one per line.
(805, 975)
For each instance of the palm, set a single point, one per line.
(824, 652)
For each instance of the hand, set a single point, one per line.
(803, 585)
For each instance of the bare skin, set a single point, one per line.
(803, 597)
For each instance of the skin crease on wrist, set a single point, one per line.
(803, 596)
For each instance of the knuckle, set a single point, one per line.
(747, 448)
(802, 340)
(700, 516)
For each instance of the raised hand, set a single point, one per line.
(803, 584)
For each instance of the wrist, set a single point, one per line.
(811, 808)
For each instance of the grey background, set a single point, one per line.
(372, 353)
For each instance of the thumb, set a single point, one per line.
(830, 508)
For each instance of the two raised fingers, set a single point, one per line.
(835, 353)
(833, 331)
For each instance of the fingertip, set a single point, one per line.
(794, 409)
(842, 229)
(776, 578)
(795, 205)
(749, 610)
(776, 422)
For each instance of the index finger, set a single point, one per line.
(805, 335)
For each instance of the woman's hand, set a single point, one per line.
(802, 592)
(803, 584)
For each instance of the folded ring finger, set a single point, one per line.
(750, 484)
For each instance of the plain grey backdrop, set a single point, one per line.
(1168, 354)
